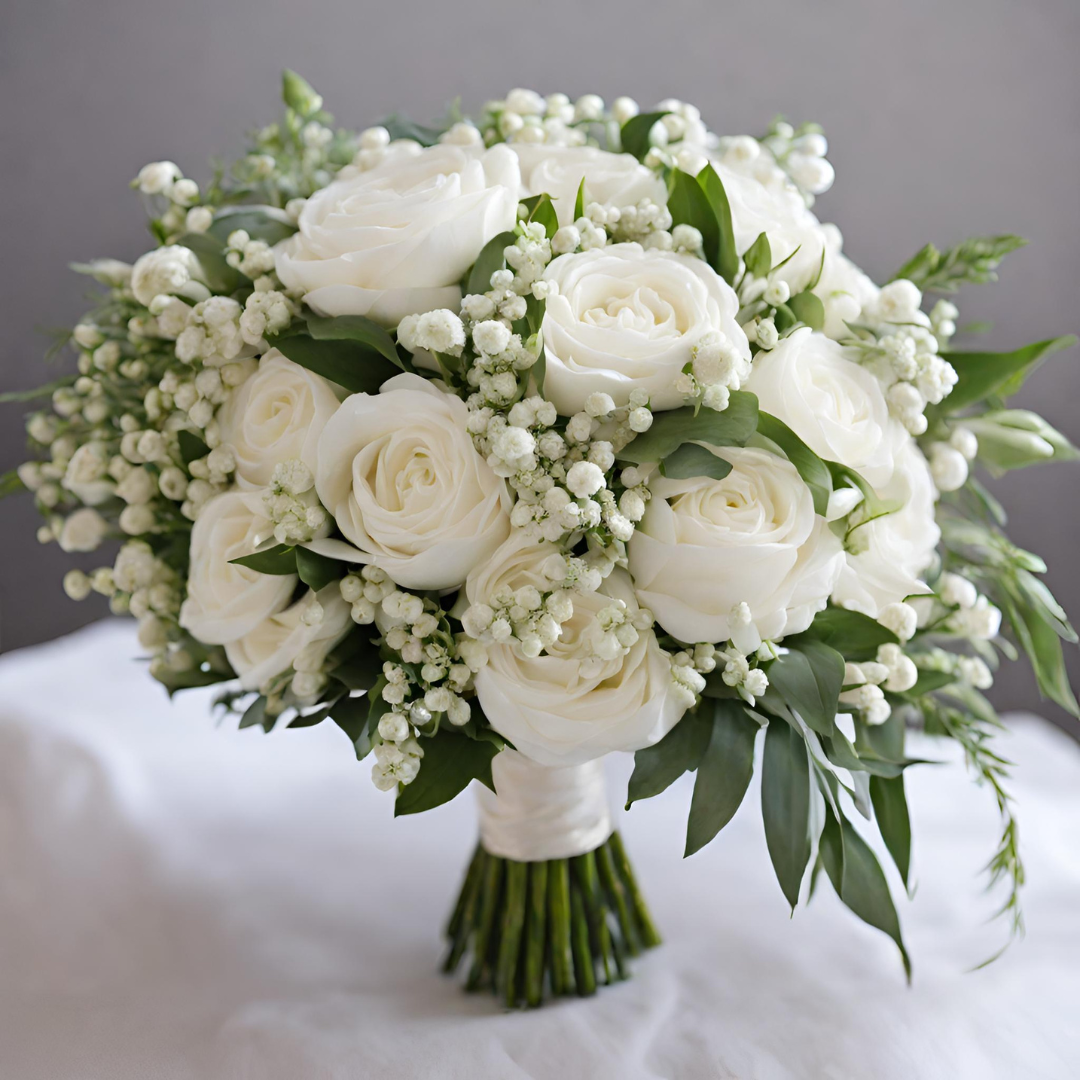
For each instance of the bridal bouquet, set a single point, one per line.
(512, 442)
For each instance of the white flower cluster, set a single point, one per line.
(866, 683)
(958, 608)
(292, 505)
(524, 116)
(164, 179)
(717, 368)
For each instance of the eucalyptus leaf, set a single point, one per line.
(723, 774)
(692, 459)
(673, 428)
(451, 762)
(785, 805)
(658, 766)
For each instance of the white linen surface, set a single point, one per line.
(179, 899)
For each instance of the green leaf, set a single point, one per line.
(351, 714)
(859, 880)
(812, 469)
(723, 774)
(279, 560)
(400, 127)
(842, 753)
(854, 635)
(352, 366)
(489, 260)
(673, 428)
(356, 328)
(973, 261)
(727, 258)
(451, 762)
(317, 571)
(191, 446)
(657, 767)
(210, 251)
(22, 396)
(891, 813)
(579, 202)
(10, 483)
(634, 134)
(785, 805)
(930, 680)
(808, 309)
(298, 94)
(983, 373)
(1017, 438)
(542, 209)
(260, 223)
(1040, 641)
(689, 204)
(694, 460)
(758, 257)
(255, 714)
(809, 678)
(362, 668)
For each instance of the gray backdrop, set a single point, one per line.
(945, 118)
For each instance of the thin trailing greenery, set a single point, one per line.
(971, 262)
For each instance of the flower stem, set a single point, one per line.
(537, 929)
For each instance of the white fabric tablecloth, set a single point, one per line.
(179, 899)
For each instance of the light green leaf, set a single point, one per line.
(299, 95)
(723, 774)
(451, 762)
(785, 805)
(809, 678)
(808, 309)
(758, 257)
(657, 767)
(489, 260)
(983, 373)
(812, 469)
(670, 429)
(859, 880)
(693, 460)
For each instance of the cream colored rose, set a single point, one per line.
(628, 318)
(610, 179)
(224, 600)
(888, 555)
(298, 637)
(399, 472)
(276, 415)
(396, 240)
(705, 546)
(569, 705)
(835, 405)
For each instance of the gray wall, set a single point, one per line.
(946, 118)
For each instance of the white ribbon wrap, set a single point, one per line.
(543, 812)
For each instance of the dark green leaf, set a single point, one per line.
(727, 258)
(279, 560)
(657, 767)
(355, 328)
(191, 447)
(785, 805)
(451, 762)
(317, 571)
(854, 635)
(859, 880)
(542, 209)
(1043, 647)
(983, 373)
(634, 134)
(352, 366)
(808, 309)
(758, 257)
(689, 204)
(891, 812)
(210, 250)
(929, 681)
(812, 469)
(670, 429)
(489, 260)
(694, 460)
(360, 671)
(723, 774)
(255, 713)
(841, 752)
(351, 715)
(809, 678)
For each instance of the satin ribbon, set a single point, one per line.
(542, 812)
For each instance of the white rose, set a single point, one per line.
(835, 405)
(568, 705)
(276, 415)
(626, 318)
(889, 554)
(224, 600)
(399, 472)
(843, 288)
(168, 271)
(396, 240)
(705, 546)
(83, 531)
(610, 179)
(295, 638)
(85, 476)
